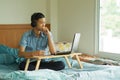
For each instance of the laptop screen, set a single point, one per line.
(75, 43)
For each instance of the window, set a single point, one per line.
(109, 26)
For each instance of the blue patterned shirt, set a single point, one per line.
(33, 43)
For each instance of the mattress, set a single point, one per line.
(89, 72)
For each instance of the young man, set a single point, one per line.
(36, 43)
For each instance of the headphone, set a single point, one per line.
(35, 17)
(33, 23)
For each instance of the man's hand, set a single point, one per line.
(45, 30)
(38, 53)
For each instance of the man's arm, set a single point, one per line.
(50, 41)
(24, 54)
(51, 44)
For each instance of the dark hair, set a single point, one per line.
(35, 17)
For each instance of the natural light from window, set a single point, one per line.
(109, 31)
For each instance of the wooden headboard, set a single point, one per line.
(10, 34)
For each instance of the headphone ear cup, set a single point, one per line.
(33, 24)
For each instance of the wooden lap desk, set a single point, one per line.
(54, 56)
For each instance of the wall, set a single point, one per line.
(54, 18)
(19, 11)
(77, 16)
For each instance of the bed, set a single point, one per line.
(10, 36)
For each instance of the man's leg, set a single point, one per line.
(57, 65)
(54, 65)
(30, 67)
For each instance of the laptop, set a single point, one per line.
(74, 47)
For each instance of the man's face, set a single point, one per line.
(40, 24)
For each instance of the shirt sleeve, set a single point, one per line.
(23, 41)
(52, 38)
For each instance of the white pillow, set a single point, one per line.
(63, 46)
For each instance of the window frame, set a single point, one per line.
(97, 33)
